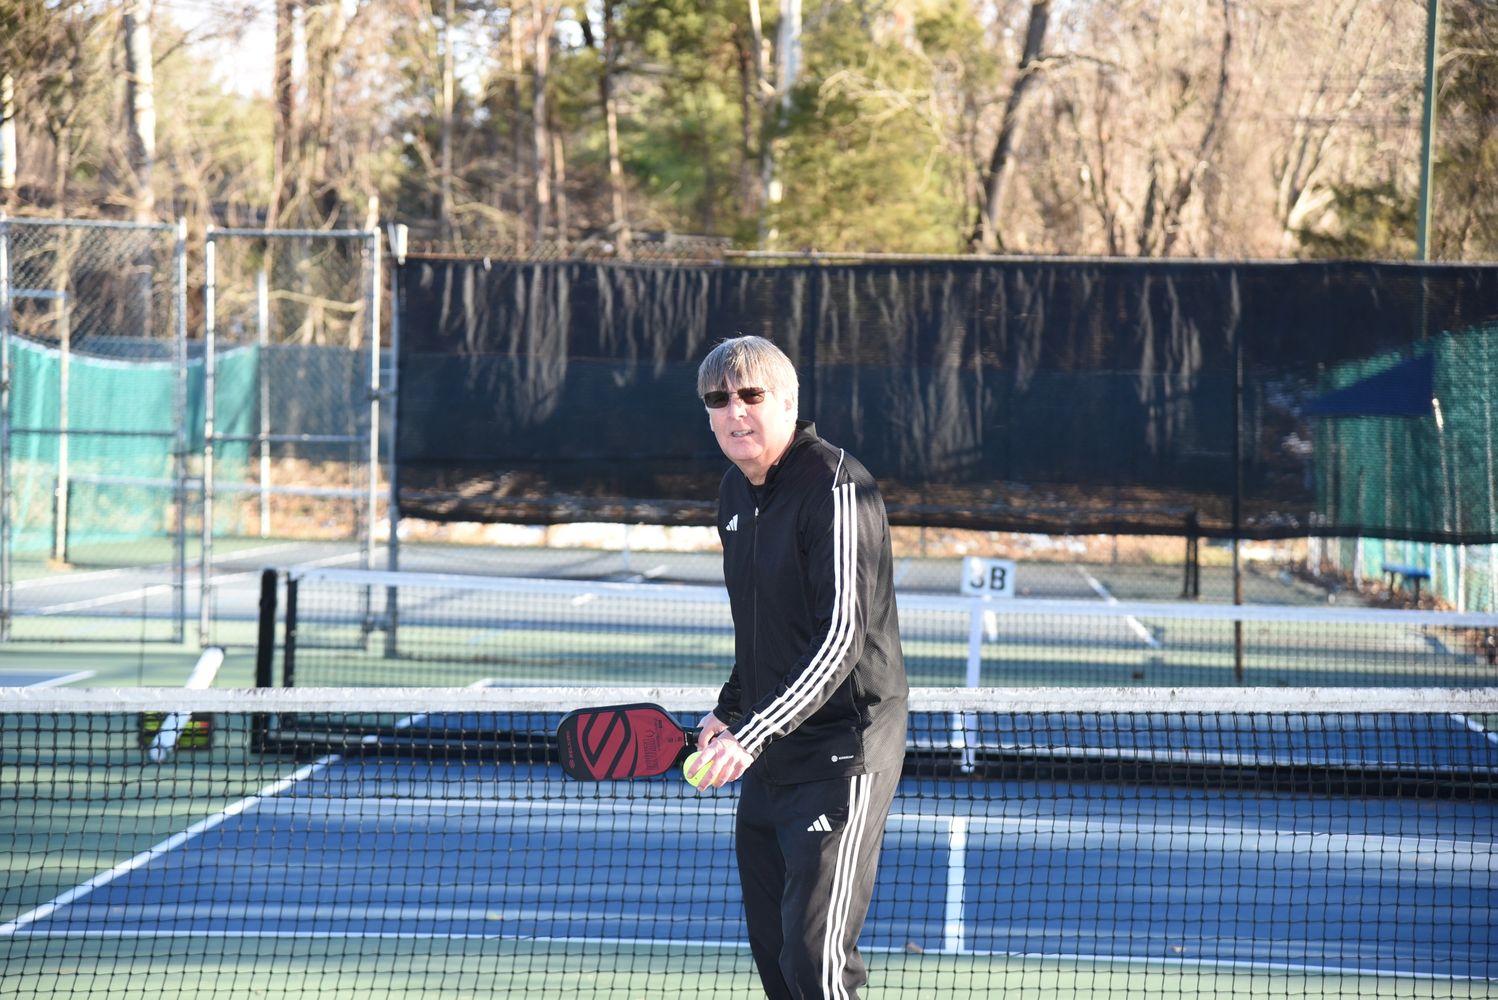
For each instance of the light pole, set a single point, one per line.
(1428, 122)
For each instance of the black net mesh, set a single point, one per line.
(1245, 848)
(1256, 400)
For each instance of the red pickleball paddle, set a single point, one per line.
(621, 741)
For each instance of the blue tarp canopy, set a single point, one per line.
(1402, 391)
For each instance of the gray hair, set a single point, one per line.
(748, 362)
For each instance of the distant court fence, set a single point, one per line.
(95, 424)
(145, 413)
(176, 413)
(292, 344)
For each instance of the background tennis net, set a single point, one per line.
(1049, 842)
(380, 629)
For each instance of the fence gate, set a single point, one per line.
(291, 341)
(95, 388)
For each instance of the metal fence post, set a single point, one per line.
(179, 458)
(372, 311)
(392, 480)
(205, 555)
(6, 513)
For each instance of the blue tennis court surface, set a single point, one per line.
(398, 849)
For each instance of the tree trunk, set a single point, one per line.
(7, 141)
(787, 72)
(325, 28)
(1187, 182)
(140, 100)
(544, 18)
(518, 166)
(283, 92)
(986, 236)
(749, 84)
(609, 55)
(445, 138)
(559, 184)
(140, 92)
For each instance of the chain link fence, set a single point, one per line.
(133, 457)
(94, 428)
(293, 368)
(167, 416)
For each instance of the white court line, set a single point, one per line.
(59, 579)
(137, 594)
(254, 574)
(20, 924)
(1133, 623)
(1474, 726)
(99, 602)
(171, 843)
(170, 731)
(78, 675)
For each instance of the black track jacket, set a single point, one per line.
(818, 686)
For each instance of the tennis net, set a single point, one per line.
(1044, 842)
(373, 628)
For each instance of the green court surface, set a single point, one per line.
(122, 664)
(465, 969)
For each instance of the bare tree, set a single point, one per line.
(31, 38)
(608, 57)
(284, 102)
(7, 140)
(544, 18)
(1140, 121)
(1328, 87)
(447, 39)
(140, 91)
(777, 101)
(749, 49)
(986, 234)
(1173, 180)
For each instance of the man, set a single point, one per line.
(813, 714)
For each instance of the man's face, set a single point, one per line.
(754, 435)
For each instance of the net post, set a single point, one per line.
(265, 658)
(397, 252)
(288, 653)
(392, 622)
(965, 724)
(1191, 587)
(265, 651)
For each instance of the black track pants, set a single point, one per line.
(807, 856)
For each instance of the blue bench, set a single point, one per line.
(1410, 574)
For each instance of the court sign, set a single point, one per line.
(987, 577)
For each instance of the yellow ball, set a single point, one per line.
(694, 775)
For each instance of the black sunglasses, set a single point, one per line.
(718, 398)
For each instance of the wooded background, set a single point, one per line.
(1134, 128)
